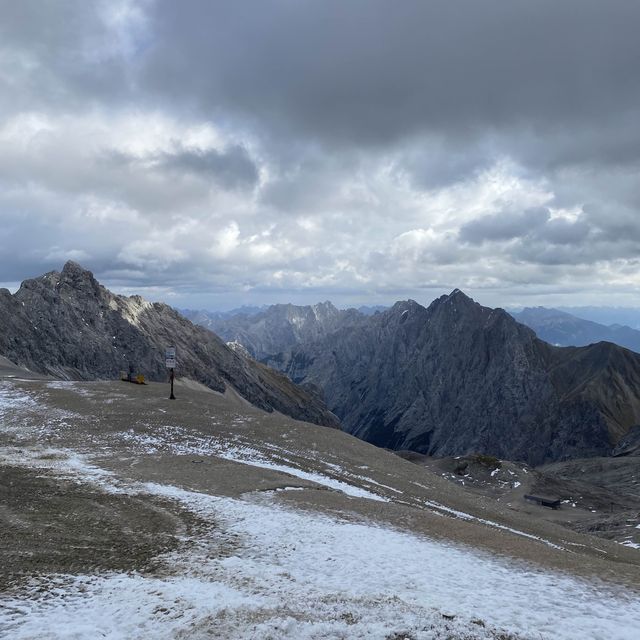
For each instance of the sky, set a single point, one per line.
(211, 154)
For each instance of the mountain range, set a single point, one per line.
(623, 316)
(451, 379)
(564, 329)
(448, 379)
(67, 325)
(277, 328)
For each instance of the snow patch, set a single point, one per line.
(65, 463)
(631, 543)
(244, 455)
(309, 576)
(253, 458)
(12, 398)
(68, 385)
(496, 525)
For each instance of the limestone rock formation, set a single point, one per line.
(277, 328)
(67, 325)
(457, 377)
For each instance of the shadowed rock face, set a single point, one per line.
(457, 377)
(68, 325)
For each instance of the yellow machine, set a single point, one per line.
(129, 377)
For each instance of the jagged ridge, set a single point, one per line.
(278, 328)
(457, 377)
(68, 325)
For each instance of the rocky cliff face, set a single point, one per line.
(68, 325)
(457, 377)
(278, 328)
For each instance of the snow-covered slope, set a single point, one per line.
(277, 529)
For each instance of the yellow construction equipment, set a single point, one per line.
(129, 377)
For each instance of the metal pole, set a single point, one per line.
(172, 397)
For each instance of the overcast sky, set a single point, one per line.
(211, 154)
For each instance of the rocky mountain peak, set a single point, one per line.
(68, 325)
(73, 269)
(324, 309)
(49, 280)
(404, 305)
(457, 309)
(77, 278)
(401, 312)
(458, 297)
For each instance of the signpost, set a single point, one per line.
(170, 361)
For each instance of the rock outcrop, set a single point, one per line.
(457, 377)
(67, 325)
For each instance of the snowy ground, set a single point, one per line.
(301, 575)
(264, 570)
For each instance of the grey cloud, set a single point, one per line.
(564, 232)
(442, 88)
(615, 224)
(64, 55)
(371, 71)
(434, 162)
(308, 183)
(532, 236)
(232, 168)
(505, 225)
(581, 253)
(352, 123)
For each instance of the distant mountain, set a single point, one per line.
(370, 310)
(624, 316)
(208, 318)
(278, 327)
(563, 329)
(457, 377)
(66, 324)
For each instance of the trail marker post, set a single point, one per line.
(170, 361)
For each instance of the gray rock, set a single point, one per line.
(68, 325)
(457, 378)
(629, 445)
(268, 333)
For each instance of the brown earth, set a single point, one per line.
(599, 496)
(138, 435)
(52, 525)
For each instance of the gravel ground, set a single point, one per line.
(77, 461)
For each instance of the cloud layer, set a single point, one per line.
(214, 153)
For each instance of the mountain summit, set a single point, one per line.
(458, 377)
(68, 325)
